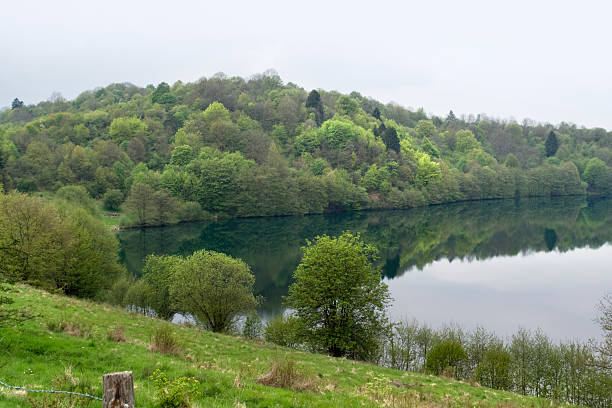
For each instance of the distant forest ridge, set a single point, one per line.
(235, 147)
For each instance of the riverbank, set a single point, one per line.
(71, 343)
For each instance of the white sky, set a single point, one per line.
(544, 60)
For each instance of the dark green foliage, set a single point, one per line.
(445, 355)
(389, 137)
(339, 298)
(112, 200)
(314, 99)
(16, 103)
(551, 144)
(376, 113)
(163, 95)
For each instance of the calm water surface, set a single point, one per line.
(499, 264)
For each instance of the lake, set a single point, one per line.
(499, 264)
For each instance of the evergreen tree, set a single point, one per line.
(314, 99)
(16, 103)
(376, 113)
(389, 137)
(551, 144)
(451, 117)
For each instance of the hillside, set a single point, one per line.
(235, 147)
(69, 345)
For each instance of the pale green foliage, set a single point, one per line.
(427, 170)
(124, 129)
(339, 297)
(177, 393)
(466, 141)
(425, 129)
(214, 288)
(376, 179)
(347, 105)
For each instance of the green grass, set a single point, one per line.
(78, 351)
(110, 222)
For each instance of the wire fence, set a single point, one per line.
(78, 394)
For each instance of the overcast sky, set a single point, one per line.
(543, 60)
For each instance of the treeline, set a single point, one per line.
(529, 363)
(235, 147)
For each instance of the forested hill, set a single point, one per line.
(252, 147)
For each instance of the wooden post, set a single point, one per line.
(118, 390)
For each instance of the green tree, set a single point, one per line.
(339, 298)
(425, 128)
(125, 129)
(112, 200)
(140, 201)
(551, 144)
(466, 141)
(158, 275)
(449, 353)
(214, 288)
(389, 137)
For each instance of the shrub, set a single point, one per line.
(117, 334)
(113, 199)
(174, 394)
(449, 353)
(284, 331)
(284, 374)
(164, 341)
(253, 328)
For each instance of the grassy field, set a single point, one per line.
(69, 344)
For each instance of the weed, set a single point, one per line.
(284, 374)
(164, 341)
(117, 334)
(174, 394)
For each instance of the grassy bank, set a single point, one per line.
(69, 344)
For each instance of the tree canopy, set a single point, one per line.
(339, 297)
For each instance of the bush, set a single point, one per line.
(494, 369)
(116, 334)
(253, 328)
(164, 341)
(113, 199)
(174, 394)
(284, 331)
(284, 374)
(449, 353)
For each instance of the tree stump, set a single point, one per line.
(118, 390)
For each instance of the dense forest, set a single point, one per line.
(234, 147)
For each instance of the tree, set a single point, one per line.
(158, 275)
(605, 321)
(112, 199)
(214, 288)
(451, 116)
(551, 144)
(339, 297)
(444, 355)
(314, 99)
(140, 202)
(16, 103)
(389, 137)
(466, 141)
(376, 113)
(125, 129)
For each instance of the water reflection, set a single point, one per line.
(442, 240)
